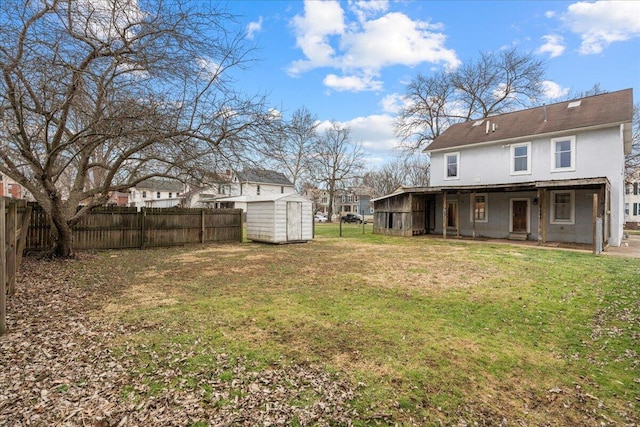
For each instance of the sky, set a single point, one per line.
(350, 61)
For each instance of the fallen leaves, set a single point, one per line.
(62, 365)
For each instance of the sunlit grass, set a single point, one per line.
(435, 330)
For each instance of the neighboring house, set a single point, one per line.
(10, 188)
(214, 187)
(156, 193)
(255, 182)
(632, 203)
(319, 198)
(547, 173)
(356, 200)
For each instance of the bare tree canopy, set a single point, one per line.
(291, 148)
(98, 95)
(410, 171)
(336, 161)
(496, 83)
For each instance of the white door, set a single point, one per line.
(294, 221)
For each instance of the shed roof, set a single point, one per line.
(263, 198)
(606, 109)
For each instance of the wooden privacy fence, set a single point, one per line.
(14, 221)
(128, 228)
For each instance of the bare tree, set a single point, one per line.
(336, 160)
(96, 96)
(496, 83)
(632, 160)
(410, 171)
(293, 148)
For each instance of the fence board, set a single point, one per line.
(3, 270)
(126, 228)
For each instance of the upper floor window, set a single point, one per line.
(635, 189)
(144, 194)
(170, 195)
(627, 189)
(563, 151)
(257, 190)
(451, 165)
(562, 207)
(521, 158)
(158, 195)
(281, 189)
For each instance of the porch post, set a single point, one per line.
(594, 224)
(540, 218)
(473, 214)
(543, 220)
(444, 214)
(458, 216)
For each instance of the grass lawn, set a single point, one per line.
(427, 331)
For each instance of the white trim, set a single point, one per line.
(572, 141)
(446, 165)
(512, 149)
(519, 199)
(572, 215)
(486, 207)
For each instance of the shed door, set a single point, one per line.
(294, 221)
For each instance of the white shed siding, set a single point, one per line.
(267, 219)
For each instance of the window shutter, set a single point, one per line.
(635, 209)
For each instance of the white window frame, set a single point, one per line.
(552, 203)
(554, 141)
(446, 165)
(486, 207)
(512, 152)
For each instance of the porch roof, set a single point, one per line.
(519, 186)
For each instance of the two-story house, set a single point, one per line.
(632, 202)
(156, 193)
(553, 173)
(251, 183)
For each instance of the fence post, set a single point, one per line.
(202, 229)
(143, 227)
(24, 231)
(11, 224)
(3, 272)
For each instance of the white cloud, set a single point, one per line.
(360, 49)
(352, 83)
(363, 9)
(603, 22)
(554, 45)
(106, 20)
(553, 90)
(320, 20)
(392, 103)
(254, 27)
(375, 132)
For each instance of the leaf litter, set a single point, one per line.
(62, 363)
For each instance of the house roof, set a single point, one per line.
(160, 184)
(606, 109)
(263, 176)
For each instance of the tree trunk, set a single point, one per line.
(64, 237)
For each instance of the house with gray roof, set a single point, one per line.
(553, 173)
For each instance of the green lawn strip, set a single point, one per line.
(424, 354)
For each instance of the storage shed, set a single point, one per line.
(281, 218)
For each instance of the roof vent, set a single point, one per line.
(574, 104)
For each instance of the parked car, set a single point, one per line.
(319, 218)
(353, 218)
